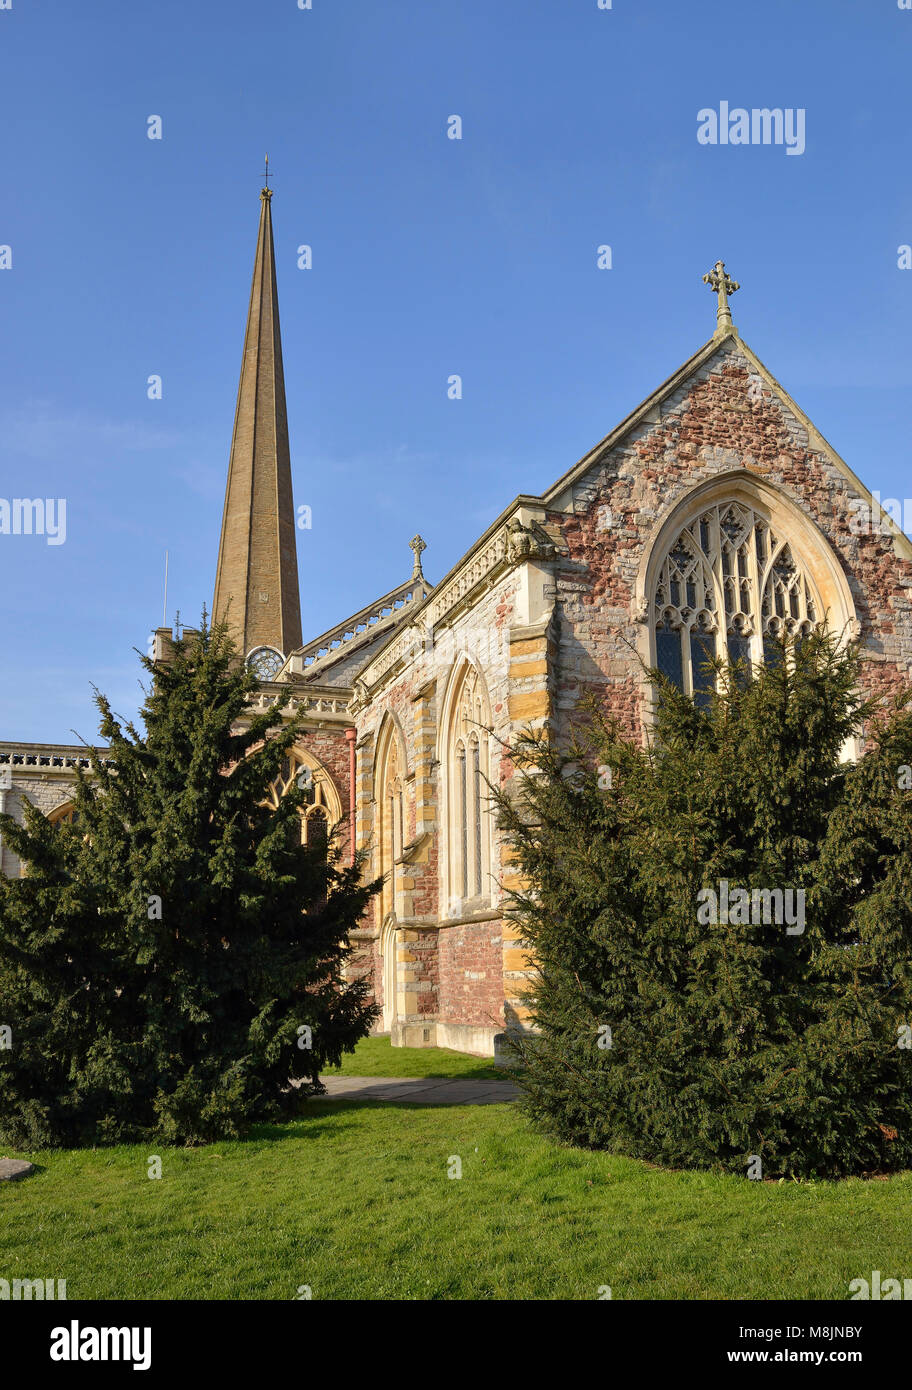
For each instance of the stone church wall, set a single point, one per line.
(719, 422)
(46, 791)
(451, 969)
(331, 748)
(471, 984)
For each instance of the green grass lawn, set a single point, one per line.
(376, 1057)
(354, 1200)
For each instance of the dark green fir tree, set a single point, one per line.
(175, 956)
(720, 920)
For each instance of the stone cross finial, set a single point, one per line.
(724, 285)
(417, 545)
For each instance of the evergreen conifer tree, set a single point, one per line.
(681, 1009)
(175, 955)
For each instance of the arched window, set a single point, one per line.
(469, 817)
(64, 813)
(322, 804)
(316, 836)
(477, 813)
(390, 839)
(390, 814)
(316, 827)
(729, 582)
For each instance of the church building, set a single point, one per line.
(710, 519)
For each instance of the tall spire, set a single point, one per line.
(256, 583)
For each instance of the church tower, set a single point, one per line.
(256, 583)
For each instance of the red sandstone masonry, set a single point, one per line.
(652, 471)
(471, 974)
(494, 614)
(424, 948)
(331, 747)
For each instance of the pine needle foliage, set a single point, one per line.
(174, 956)
(717, 1043)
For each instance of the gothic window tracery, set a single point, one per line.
(729, 584)
(265, 663)
(321, 808)
(316, 827)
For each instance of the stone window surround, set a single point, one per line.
(390, 766)
(327, 797)
(457, 827)
(810, 548)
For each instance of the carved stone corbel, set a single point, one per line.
(528, 542)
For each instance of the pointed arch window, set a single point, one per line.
(462, 793)
(729, 585)
(477, 812)
(316, 828)
(469, 816)
(390, 830)
(316, 837)
(322, 807)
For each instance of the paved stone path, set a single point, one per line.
(419, 1090)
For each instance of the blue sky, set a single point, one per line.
(133, 257)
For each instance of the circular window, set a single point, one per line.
(265, 663)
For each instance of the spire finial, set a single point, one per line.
(266, 192)
(416, 544)
(723, 285)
